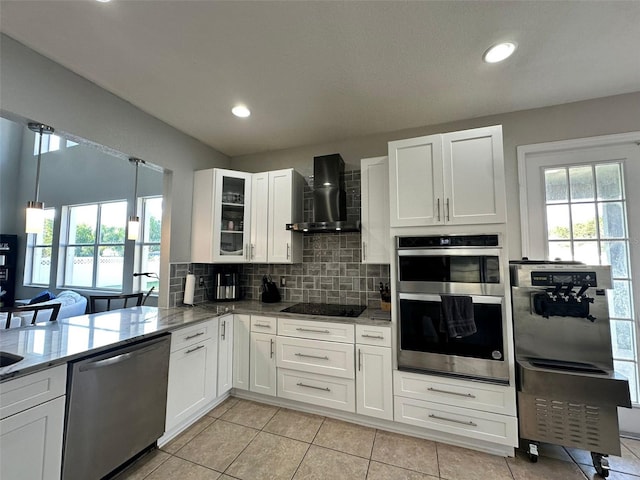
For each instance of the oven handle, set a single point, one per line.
(449, 252)
(428, 297)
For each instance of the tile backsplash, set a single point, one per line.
(330, 272)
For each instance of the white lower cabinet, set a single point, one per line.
(323, 390)
(263, 364)
(374, 385)
(241, 346)
(192, 372)
(476, 424)
(31, 429)
(225, 354)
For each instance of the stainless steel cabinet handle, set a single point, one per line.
(194, 349)
(379, 337)
(224, 328)
(271, 348)
(287, 251)
(311, 356)
(438, 204)
(359, 359)
(312, 330)
(251, 252)
(468, 395)
(364, 250)
(265, 325)
(194, 336)
(448, 217)
(453, 420)
(326, 389)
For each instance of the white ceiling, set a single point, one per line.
(320, 71)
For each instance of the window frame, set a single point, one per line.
(29, 258)
(66, 245)
(141, 244)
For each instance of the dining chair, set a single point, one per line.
(114, 302)
(13, 313)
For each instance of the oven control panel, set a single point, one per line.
(550, 279)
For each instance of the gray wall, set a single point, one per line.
(602, 116)
(10, 146)
(36, 88)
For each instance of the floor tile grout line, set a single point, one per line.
(506, 459)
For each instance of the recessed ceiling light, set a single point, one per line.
(103, 1)
(499, 52)
(240, 111)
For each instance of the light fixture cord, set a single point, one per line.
(38, 167)
(135, 191)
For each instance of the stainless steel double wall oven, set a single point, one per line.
(431, 267)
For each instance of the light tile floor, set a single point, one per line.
(246, 440)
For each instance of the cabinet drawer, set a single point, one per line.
(490, 427)
(452, 391)
(31, 390)
(325, 358)
(338, 393)
(193, 334)
(260, 324)
(333, 332)
(373, 335)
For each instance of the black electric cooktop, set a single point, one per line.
(331, 310)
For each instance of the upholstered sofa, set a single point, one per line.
(71, 305)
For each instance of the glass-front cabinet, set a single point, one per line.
(221, 216)
(232, 220)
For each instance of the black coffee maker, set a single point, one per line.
(226, 283)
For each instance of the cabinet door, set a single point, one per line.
(231, 219)
(202, 217)
(474, 185)
(376, 239)
(263, 364)
(259, 216)
(285, 204)
(241, 346)
(192, 381)
(225, 354)
(415, 181)
(374, 383)
(31, 442)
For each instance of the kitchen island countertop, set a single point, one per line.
(45, 345)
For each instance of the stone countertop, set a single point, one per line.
(54, 343)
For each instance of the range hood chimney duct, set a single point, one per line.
(329, 198)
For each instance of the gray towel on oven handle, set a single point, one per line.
(456, 316)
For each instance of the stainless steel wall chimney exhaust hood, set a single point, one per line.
(329, 198)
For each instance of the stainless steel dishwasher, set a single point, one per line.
(116, 406)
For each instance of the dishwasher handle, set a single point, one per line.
(123, 357)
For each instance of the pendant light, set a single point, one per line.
(133, 227)
(35, 209)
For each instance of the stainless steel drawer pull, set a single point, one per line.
(193, 336)
(470, 423)
(312, 330)
(311, 356)
(325, 389)
(194, 349)
(271, 348)
(265, 325)
(380, 337)
(467, 395)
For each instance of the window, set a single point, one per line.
(50, 143)
(148, 250)
(94, 251)
(39, 249)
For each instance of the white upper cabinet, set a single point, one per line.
(451, 179)
(474, 186)
(221, 219)
(374, 196)
(284, 206)
(415, 181)
(259, 217)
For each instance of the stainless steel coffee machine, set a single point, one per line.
(226, 283)
(568, 392)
